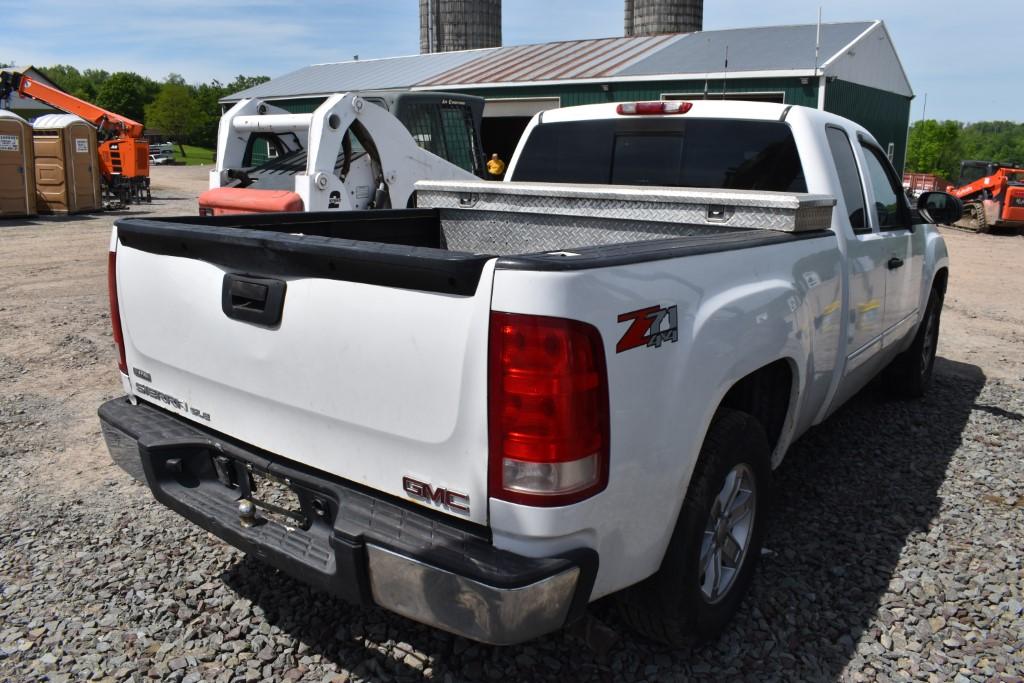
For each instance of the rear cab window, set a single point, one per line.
(849, 177)
(704, 153)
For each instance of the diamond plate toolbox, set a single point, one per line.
(747, 209)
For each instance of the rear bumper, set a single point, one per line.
(359, 545)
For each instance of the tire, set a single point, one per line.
(980, 219)
(679, 602)
(910, 373)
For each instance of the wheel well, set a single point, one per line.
(941, 280)
(764, 394)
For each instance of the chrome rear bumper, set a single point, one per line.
(440, 598)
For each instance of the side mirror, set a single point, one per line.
(940, 207)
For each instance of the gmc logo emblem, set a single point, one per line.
(424, 491)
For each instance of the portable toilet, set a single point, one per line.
(67, 165)
(17, 177)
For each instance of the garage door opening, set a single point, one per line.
(505, 120)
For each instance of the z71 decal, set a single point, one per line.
(651, 326)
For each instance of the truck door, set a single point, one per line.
(904, 247)
(866, 255)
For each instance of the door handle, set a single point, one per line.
(895, 262)
(253, 299)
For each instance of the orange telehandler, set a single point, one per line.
(993, 195)
(123, 152)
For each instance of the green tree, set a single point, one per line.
(176, 113)
(208, 98)
(70, 80)
(934, 147)
(244, 83)
(1001, 141)
(127, 94)
(96, 77)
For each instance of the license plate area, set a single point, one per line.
(272, 497)
(276, 500)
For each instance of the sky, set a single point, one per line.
(970, 69)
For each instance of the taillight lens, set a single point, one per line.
(648, 108)
(115, 311)
(548, 410)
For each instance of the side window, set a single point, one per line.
(458, 136)
(424, 125)
(888, 207)
(849, 177)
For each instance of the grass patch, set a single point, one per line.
(194, 155)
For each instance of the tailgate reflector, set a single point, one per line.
(547, 410)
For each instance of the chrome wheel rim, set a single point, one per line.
(727, 534)
(928, 343)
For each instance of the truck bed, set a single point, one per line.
(442, 246)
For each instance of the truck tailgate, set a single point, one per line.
(376, 370)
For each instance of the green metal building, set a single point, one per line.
(851, 69)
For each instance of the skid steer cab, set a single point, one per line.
(355, 151)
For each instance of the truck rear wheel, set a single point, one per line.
(713, 551)
(910, 373)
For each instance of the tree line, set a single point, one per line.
(939, 146)
(183, 112)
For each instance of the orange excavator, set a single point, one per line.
(993, 195)
(123, 152)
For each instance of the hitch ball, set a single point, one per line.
(246, 513)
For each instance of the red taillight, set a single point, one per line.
(548, 410)
(115, 311)
(646, 108)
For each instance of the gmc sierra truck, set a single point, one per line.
(492, 409)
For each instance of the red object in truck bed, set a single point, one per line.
(225, 201)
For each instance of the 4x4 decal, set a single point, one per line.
(651, 326)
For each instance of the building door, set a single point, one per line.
(51, 179)
(505, 120)
(81, 162)
(15, 168)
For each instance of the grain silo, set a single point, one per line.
(448, 25)
(651, 17)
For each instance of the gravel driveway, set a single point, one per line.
(894, 552)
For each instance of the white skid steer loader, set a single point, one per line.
(354, 152)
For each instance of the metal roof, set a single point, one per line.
(555, 61)
(367, 74)
(772, 50)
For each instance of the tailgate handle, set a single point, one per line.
(256, 300)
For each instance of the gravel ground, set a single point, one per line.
(894, 552)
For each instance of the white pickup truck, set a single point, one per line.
(488, 411)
